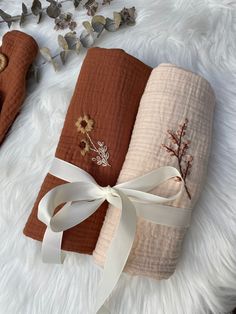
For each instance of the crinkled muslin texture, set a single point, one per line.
(173, 127)
(106, 98)
(20, 51)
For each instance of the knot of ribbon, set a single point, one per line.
(82, 196)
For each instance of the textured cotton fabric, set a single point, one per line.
(173, 127)
(20, 51)
(106, 98)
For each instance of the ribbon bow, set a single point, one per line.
(83, 196)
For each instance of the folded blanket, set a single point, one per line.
(173, 127)
(17, 53)
(96, 134)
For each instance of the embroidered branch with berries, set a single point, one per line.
(178, 148)
(85, 125)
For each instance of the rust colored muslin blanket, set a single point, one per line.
(96, 134)
(17, 53)
(172, 128)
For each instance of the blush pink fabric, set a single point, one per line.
(173, 127)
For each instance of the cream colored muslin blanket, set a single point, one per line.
(173, 127)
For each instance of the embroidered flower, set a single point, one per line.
(84, 147)
(84, 124)
(178, 148)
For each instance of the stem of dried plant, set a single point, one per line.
(18, 17)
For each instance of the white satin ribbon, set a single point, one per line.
(83, 196)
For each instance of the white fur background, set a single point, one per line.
(197, 34)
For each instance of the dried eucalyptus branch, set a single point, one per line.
(92, 30)
(53, 10)
(36, 9)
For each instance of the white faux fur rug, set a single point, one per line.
(198, 35)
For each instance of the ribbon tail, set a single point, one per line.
(51, 247)
(118, 252)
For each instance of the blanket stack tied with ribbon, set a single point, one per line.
(17, 53)
(95, 136)
(173, 127)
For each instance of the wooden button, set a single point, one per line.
(3, 62)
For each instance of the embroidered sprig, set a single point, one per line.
(178, 148)
(85, 125)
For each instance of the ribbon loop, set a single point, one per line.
(82, 196)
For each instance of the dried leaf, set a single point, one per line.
(63, 56)
(76, 3)
(110, 25)
(87, 26)
(98, 28)
(78, 47)
(36, 74)
(62, 42)
(98, 24)
(55, 65)
(33, 72)
(86, 39)
(23, 14)
(71, 40)
(36, 8)
(117, 19)
(53, 10)
(72, 25)
(106, 1)
(99, 19)
(22, 19)
(91, 6)
(46, 53)
(24, 8)
(65, 20)
(128, 16)
(6, 17)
